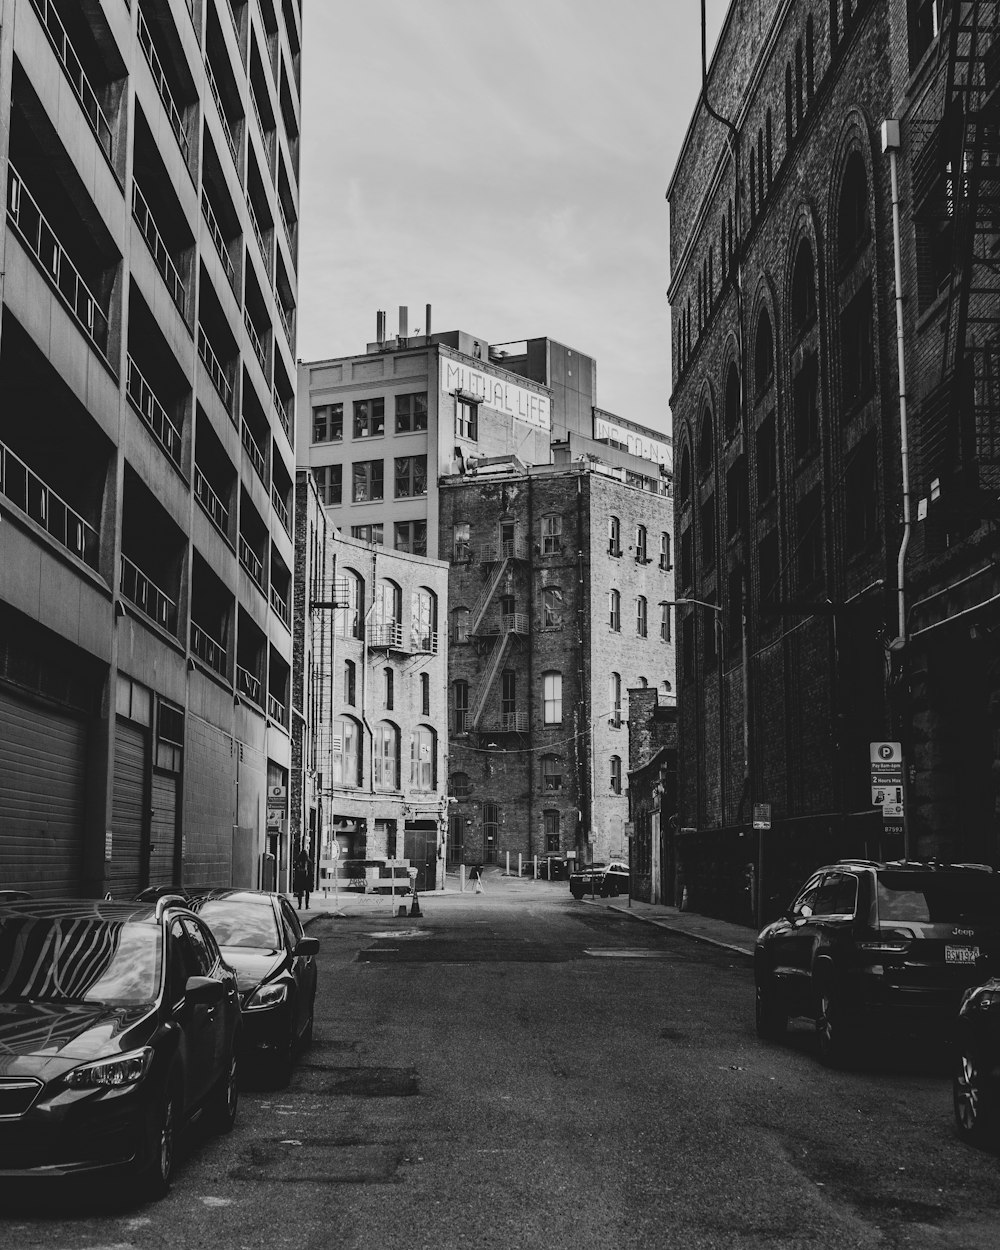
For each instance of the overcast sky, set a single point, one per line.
(505, 161)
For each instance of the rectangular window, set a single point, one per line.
(640, 544)
(410, 536)
(616, 774)
(369, 417)
(328, 423)
(551, 832)
(345, 753)
(466, 419)
(641, 623)
(329, 481)
(366, 481)
(924, 26)
(350, 681)
(508, 693)
(368, 533)
(551, 535)
(666, 633)
(411, 476)
(666, 558)
(551, 772)
(461, 546)
(389, 689)
(552, 698)
(615, 610)
(411, 413)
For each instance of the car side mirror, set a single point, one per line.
(804, 912)
(204, 990)
(306, 946)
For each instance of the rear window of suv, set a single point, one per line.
(945, 898)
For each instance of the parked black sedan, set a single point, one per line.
(118, 1021)
(262, 938)
(976, 1083)
(609, 880)
(867, 944)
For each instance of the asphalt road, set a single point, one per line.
(520, 1070)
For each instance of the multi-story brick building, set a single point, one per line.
(652, 794)
(559, 596)
(458, 426)
(150, 160)
(835, 512)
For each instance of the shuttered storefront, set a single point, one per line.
(128, 810)
(42, 779)
(163, 830)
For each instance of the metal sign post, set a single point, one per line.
(887, 788)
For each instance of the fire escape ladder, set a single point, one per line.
(487, 593)
(488, 678)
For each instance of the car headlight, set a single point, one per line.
(128, 1069)
(267, 996)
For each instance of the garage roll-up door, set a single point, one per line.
(128, 810)
(42, 778)
(163, 829)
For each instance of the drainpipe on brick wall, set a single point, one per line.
(890, 144)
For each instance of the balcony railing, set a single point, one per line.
(514, 722)
(389, 635)
(425, 641)
(259, 236)
(268, 137)
(254, 452)
(161, 257)
(43, 243)
(213, 86)
(280, 509)
(207, 649)
(247, 684)
(26, 490)
(217, 238)
(283, 406)
(287, 228)
(281, 607)
(252, 563)
(287, 320)
(147, 596)
(255, 343)
(74, 72)
(215, 370)
(210, 501)
(163, 87)
(275, 709)
(512, 549)
(152, 412)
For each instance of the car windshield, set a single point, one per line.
(236, 922)
(78, 959)
(972, 898)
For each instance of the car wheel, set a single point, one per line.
(224, 1099)
(975, 1100)
(770, 1017)
(156, 1173)
(832, 1036)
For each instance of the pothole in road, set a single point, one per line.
(626, 952)
(400, 933)
(339, 1082)
(327, 1160)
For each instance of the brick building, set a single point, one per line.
(558, 603)
(835, 608)
(149, 155)
(652, 794)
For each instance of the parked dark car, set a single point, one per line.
(868, 943)
(609, 880)
(976, 1083)
(550, 868)
(118, 1021)
(261, 936)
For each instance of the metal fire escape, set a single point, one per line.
(497, 632)
(961, 416)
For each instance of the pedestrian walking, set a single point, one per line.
(302, 876)
(476, 875)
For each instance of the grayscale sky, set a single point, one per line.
(505, 161)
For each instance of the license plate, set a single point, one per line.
(961, 954)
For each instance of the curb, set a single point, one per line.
(671, 928)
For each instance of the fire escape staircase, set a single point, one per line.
(961, 418)
(488, 678)
(489, 590)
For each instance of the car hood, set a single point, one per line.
(33, 1034)
(252, 964)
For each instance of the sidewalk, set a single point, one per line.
(721, 933)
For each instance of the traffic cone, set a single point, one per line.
(415, 905)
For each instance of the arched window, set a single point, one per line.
(706, 448)
(552, 772)
(425, 694)
(685, 477)
(615, 610)
(641, 617)
(385, 756)
(388, 603)
(616, 774)
(640, 545)
(348, 621)
(732, 400)
(460, 706)
(552, 607)
(852, 211)
(614, 536)
(803, 288)
(423, 757)
(350, 682)
(763, 355)
(460, 785)
(666, 560)
(388, 688)
(460, 625)
(423, 620)
(643, 683)
(615, 700)
(345, 752)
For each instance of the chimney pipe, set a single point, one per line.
(427, 321)
(380, 326)
(403, 321)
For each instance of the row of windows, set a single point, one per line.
(641, 615)
(368, 480)
(369, 418)
(552, 698)
(640, 544)
(349, 620)
(551, 777)
(388, 691)
(347, 763)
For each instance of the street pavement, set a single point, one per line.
(349, 903)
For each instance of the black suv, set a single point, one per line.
(867, 942)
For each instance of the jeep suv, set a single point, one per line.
(609, 880)
(867, 942)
